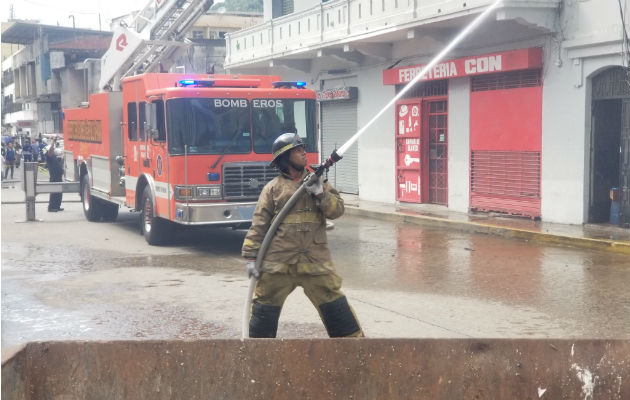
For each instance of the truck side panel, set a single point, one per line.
(93, 135)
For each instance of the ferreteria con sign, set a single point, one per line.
(467, 66)
(449, 69)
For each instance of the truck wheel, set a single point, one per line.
(155, 229)
(110, 212)
(91, 206)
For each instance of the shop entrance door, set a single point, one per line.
(438, 152)
(605, 157)
(410, 152)
(624, 164)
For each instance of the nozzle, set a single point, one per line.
(334, 157)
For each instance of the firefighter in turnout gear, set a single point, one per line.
(298, 254)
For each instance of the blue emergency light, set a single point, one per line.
(289, 84)
(194, 82)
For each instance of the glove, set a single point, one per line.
(251, 269)
(316, 188)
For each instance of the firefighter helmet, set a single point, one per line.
(284, 143)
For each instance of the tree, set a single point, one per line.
(239, 6)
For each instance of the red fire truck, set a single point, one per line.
(183, 149)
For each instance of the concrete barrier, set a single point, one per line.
(321, 369)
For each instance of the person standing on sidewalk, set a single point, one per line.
(298, 254)
(27, 151)
(9, 160)
(55, 170)
(35, 151)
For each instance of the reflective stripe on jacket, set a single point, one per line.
(301, 237)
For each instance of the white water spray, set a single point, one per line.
(280, 216)
(476, 22)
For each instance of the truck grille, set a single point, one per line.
(244, 181)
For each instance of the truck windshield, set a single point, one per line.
(224, 126)
(209, 126)
(273, 117)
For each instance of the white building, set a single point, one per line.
(529, 115)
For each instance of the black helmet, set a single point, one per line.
(284, 143)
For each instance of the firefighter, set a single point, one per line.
(298, 254)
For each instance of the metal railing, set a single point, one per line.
(337, 22)
(32, 188)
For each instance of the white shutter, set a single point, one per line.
(339, 123)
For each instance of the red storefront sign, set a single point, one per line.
(468, 66)
(340, 93)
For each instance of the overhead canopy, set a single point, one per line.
(22, 32)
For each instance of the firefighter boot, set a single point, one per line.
(263, 322)
(339, 319)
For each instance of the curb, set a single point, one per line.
(502, 231)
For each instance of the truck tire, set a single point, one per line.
(155, 229)
(92, 208)
(110, 212)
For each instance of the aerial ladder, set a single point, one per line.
(153, 35)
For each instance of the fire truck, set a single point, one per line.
(184, 149)
(187, 149)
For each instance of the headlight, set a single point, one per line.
(197, 192)
(213, 192)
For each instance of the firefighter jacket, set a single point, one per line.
(301, 238)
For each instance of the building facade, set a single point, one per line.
(528, 115)
(45, 56)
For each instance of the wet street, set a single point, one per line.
(67, 279)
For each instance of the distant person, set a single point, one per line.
(27, 151)
(35, 150)
(55, 170)
(9, 160)
(18, 154)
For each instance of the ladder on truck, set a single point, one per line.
(154, 35)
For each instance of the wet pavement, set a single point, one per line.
(64, 278)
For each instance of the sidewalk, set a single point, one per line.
(595, 236)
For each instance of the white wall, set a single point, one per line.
(567, 135)
(563, 145)
(459, 144)
(377, 162)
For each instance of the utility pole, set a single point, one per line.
(11, 12)
(72, 16)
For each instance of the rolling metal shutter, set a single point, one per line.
(506, 143)
(339, 123)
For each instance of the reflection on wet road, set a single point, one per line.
(403, 280)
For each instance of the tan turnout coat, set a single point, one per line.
(301, 237)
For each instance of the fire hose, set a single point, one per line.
(338, 154)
